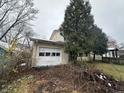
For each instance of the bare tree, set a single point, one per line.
(112, 43)
(26, 36)
(14, 13)
(19, 35)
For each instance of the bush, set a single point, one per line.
(22, 60)
(11, 64)
(86, 64)
(5, 65)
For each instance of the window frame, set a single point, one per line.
(40, 54)
(58, 54)
(47, 54)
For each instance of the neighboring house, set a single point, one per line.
(114, 52)
(49, 52)
(114, 55)
(56, 36)
(121, 52)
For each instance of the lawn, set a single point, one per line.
(116, 71)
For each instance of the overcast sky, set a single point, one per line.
(108, 15)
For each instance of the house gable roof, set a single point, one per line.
(121, 48)
(56, 36)
(54, 32)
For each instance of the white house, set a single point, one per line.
(121, 52)
(114, 53)
(49, 52)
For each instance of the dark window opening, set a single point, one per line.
(47, 54)
(57, 54)
(86, 54)
(53, 54)
(42, 54)
(80, 54)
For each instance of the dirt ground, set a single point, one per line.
(74, 79)
(64, 79)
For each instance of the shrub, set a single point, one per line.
(22, 60)
(11, 64)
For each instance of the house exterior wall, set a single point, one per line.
(56, 36)
(89, 58)
(121, 52)
(35, 54)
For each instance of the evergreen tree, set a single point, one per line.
(99, 40)
(76, 28)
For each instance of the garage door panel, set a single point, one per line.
(49, 59)
(49, 50)
(49, 56)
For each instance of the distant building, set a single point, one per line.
(56, 36)
(121, 52)
(112, 53)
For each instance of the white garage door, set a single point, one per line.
(49, 57)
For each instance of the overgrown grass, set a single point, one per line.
(63, 74)
(116, 71)
(5, 58)
(22, 85)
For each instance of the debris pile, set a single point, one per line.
(62, 79)
(74, 79)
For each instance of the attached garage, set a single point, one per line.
(48, 53)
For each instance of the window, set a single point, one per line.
(57, 54)
(80, 54)
(41, 54)
(53, 54)
(47, 53)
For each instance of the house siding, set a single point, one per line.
(56, 36)
(121, 52)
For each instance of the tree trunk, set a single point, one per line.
(116, 53)
(102, 57)
(94, 57)
(72, 58)
(28, 43)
